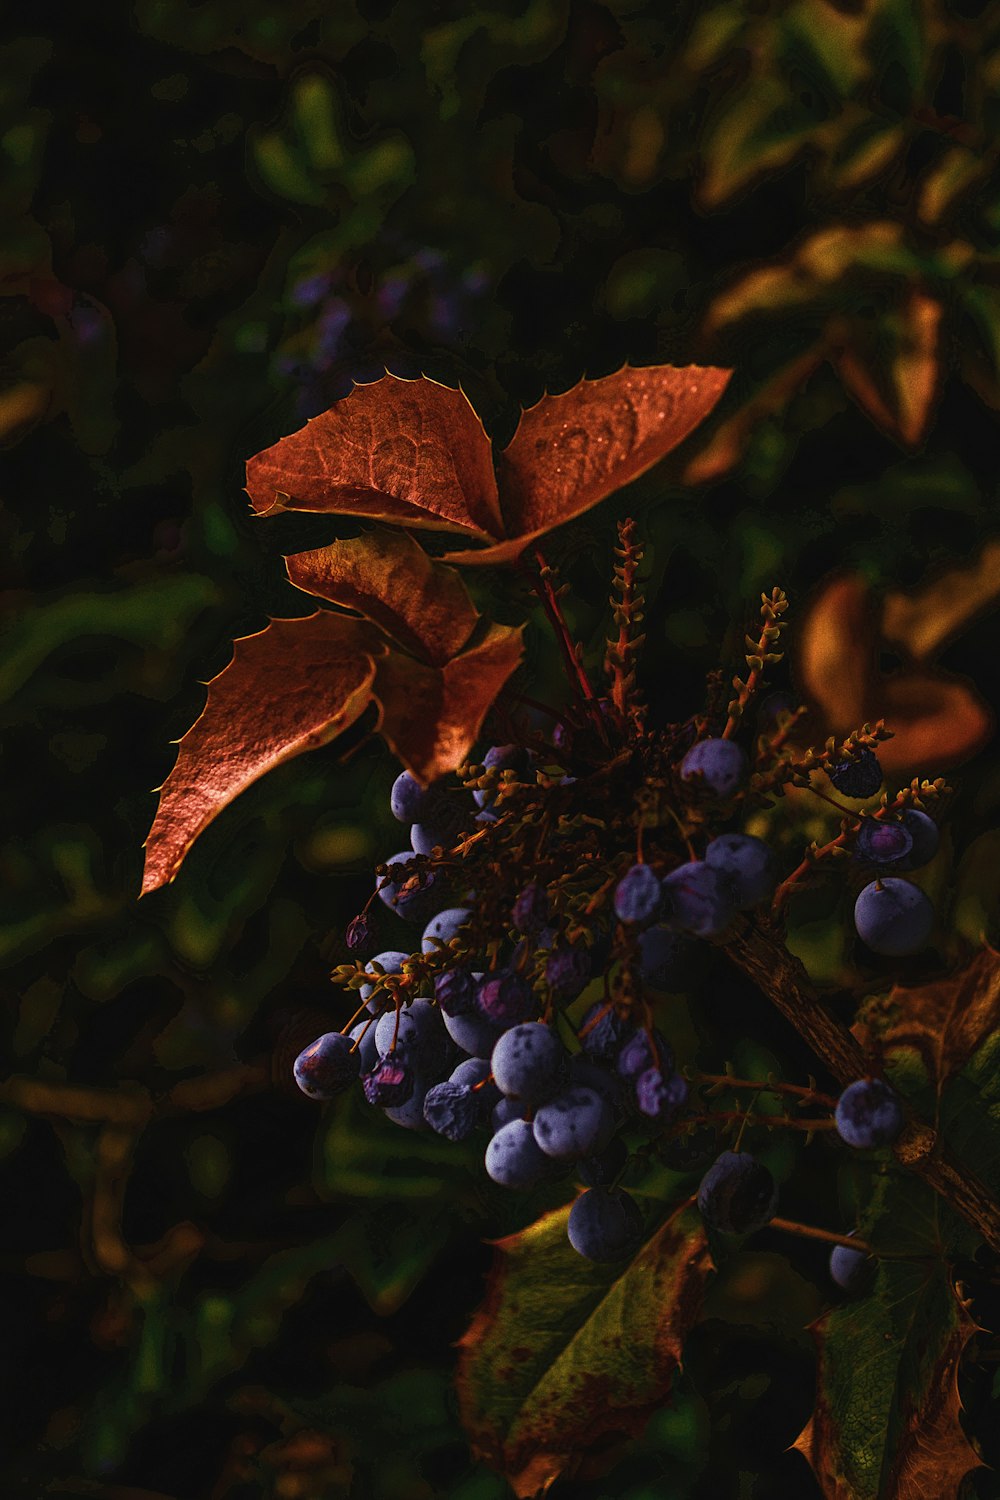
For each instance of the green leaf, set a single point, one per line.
(566, 1355)
(886, 1424)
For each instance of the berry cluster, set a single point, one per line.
(593, 857)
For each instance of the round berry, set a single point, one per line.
(722, 763)
(857, 778)
(737, 1194)
(327, 1066)
(869, 1113)
(638, 896)
(894, 917)
(605, 1224)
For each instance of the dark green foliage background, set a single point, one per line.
(505, 197)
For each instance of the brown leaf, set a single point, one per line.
(892, 371)
(571, 451)
(566, 1357)
(409, 451)
(431, 716)
(923, 622)
(948, 1019)
(388, 577)
(292, 686)
(937, 718)
(729, 440)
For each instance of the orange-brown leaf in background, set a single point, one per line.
(728, 442)
(921, 623)
(409, 451)
(431, 716)
(937, 718)
(388, 577)
(571, 451)
(292, 686)
(892, 370)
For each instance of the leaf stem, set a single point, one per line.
(808, 1232)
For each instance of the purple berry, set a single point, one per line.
(926, 838)
(660, 1097)
(574, 1124)
(747, 863)
(411, 802)
(529, 1062)
(514, 1159)
(698, 899)
(737, 1194)
(851, 1269)
(605, 1224)
(722, 763)
(893, 916)
(327, 1066)
(359, 933)
(881, 842)
(637, 1054)
(869, 1113)
(503, 999)
(605, 1037)
(455, 992)
(531, 909)
(567, 972)
(638, 896)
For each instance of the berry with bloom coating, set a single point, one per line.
(574, 1124)
(851, 1269)
(473, 1033)
(513, 1157)
(869, 1113)
(722, 763)
(637, 1054)
(390, 962)
(605, 1224)
(419, 902)
(638, 896)
(419, 1035)
(443, 927)
(529, 1062)
(411, 802)
(737, 1194)
(747, 863)
(605, 1035)
(364, 1034)
(502, 758)
(327, 1066)
(857, 778)
(452, 1109)
(473, 1071)
(894, 916)
(698, 899)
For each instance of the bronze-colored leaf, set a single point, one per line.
(937, 718)
(388, 577)
(292, 686)
(431, 716)
(948, 1019)
(923, 622)
(570, 451)
(892, 370)
(565, 1355)
(409, 451)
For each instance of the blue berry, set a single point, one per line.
(722, 763)
(420, 1036)
(327, 1066)
(364, 1034)
(531, 909)
(737, 1194)
(473, 1071)
(506, 1110)
(636, 1055)
(882, 842)
(698, 900)
(390, 1082)
(455, 992)
(857, 778)
(567, 972)
(390, 962)
(869, 1113)
(747, 863)
(574, 1124)
(894, 917)
(452, 1109)
(513, 1157)
(411, 1114)
(418, 903)
(502, 758)
(638, 896)
(443, 927)
(444, 829)
(529, 1062)
(605, 1224)
(473, 1033)
(601, 1169)
(851, 1269)
(503, 999)
(658, 1096)
(926, 838)
(585, 1072)
(411, 802)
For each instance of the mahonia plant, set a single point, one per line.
(564, 883)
